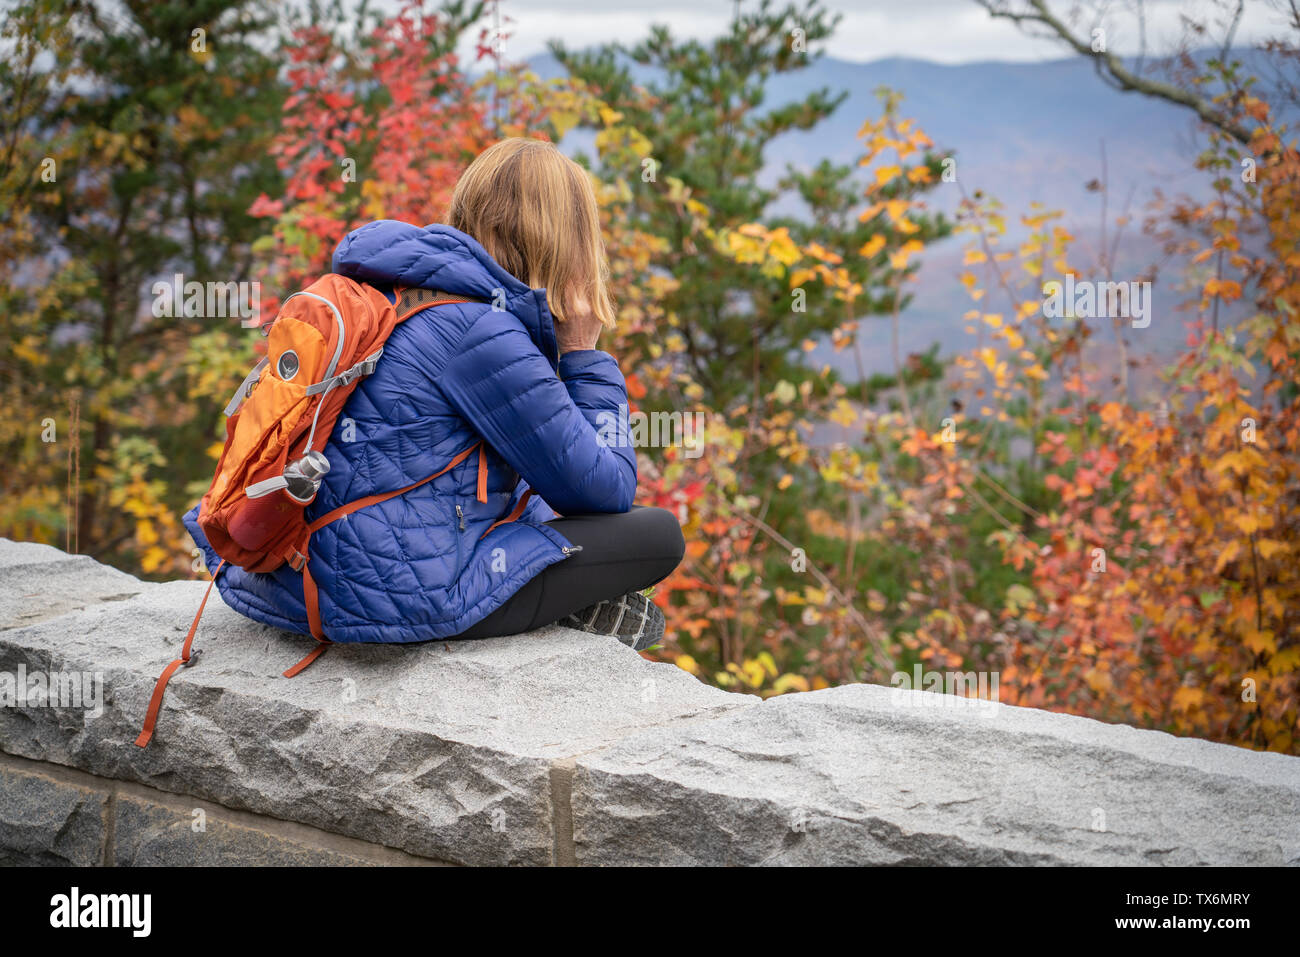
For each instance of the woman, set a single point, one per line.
(518, 367)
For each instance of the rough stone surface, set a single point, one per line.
(38, 582)
(560, 747)
(45, 821)
(868, 775)
(442, 750)
(55, 815)
(149, 832)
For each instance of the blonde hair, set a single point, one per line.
(534, 210)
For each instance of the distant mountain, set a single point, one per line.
(1021, 132)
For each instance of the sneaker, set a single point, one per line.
(632, 618)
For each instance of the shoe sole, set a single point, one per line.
(633, 619)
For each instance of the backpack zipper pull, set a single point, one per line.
(460, 515)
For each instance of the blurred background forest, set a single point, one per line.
(839, 265)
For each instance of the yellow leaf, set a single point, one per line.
(871, 211)
(790, 683)
(153, 559)
(872, 246)
(899, 259)
(563, 122)
(885, 173)
(1187, 699)
(1260, 642)
(1285, 661)
(1249, 524)
(1228, 554)
(1225, 289)
(784, 251)
(845, 414)
(1269, 547)
(1099, 681)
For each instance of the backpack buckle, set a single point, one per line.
(297, 560)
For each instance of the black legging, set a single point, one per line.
(620, 553)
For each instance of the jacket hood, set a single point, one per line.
(387, 253)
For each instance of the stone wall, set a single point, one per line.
(556, 747)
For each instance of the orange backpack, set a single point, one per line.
(322, 341)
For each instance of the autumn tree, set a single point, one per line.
(707, 110)
(735, 328)
(379, 121)
(134, 143)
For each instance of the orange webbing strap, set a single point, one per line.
(310, 593)
(514, 512)
(312, 655)
(348, 509)
(312, 598)
(184, 661)
(407, 302)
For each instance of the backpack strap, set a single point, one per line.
(408, 302)
(245, 388)
(411, 301)
(330, 517)
(310, 593)
(514, 513)
(184, 661)
(362, 368)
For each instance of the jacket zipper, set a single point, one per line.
(460, 517)
(570, 549)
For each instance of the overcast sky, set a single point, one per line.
(947, 31)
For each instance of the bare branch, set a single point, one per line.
(1112, 68)
(1232, 31)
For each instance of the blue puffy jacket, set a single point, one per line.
(414, 568)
